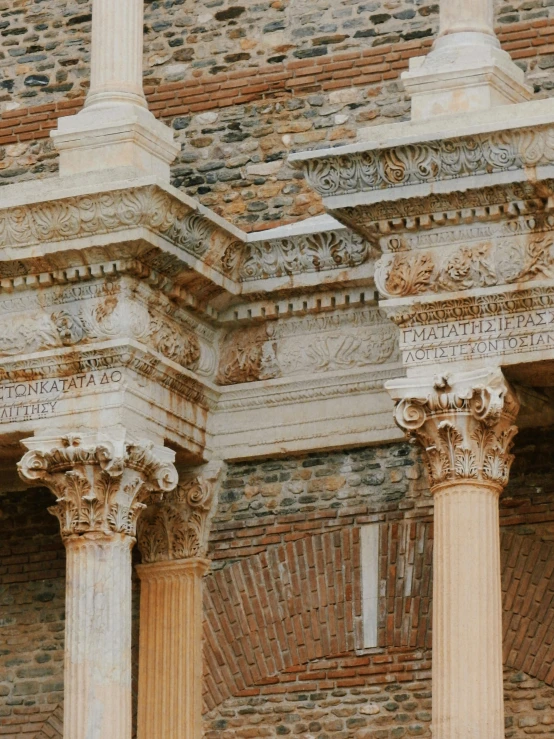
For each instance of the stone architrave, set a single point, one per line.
(100, 485)
(173, 539)
(464, 424)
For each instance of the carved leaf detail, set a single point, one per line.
(409, 274)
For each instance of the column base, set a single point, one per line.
(108, 136)
(463, 72)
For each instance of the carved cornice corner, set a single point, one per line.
(177, 526)
(99, 483)
(464, 423)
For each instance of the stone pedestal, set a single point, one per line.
(99, 486)
(464, 424)
(173, 539)
(115, 129)
(466, 70)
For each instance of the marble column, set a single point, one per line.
(116, 53)
(115, 129)
(466, 70)
(173, 540)
(466, 16)
(99, 485)
(464, 424)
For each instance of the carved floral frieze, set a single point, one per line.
(99, 487)
(98, 312)
(464, 424)
(177, 526)
(429, 161)
(107, 212)
(505, 261)
(289, 347)
(326, 250)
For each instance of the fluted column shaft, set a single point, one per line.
(97, 670)
(467, 614)
(116, 56)
(170, 672)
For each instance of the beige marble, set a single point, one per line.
(170, 674)
(173, 540)
(97, 667)
(100, 485)
(466, 69)
(464, 424)
(115, 129)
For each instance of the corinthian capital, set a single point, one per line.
(464, 422)
(99, 483)
(177, 526)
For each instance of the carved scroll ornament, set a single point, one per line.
(464, 424)
(412, 164)
(177, 527)
(98, 489)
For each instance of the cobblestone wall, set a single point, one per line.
(44, 44)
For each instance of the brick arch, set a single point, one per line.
(528, 594)
(289, 605)
(298, 604)
(52, 728)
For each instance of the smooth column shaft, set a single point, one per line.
(467, 614)
(98, 638)
(116, 57)
(170, 650)
(466, 15)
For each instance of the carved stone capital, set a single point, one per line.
(100, 483)
(464, 423)
(177, 526)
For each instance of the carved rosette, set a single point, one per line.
(464, 422)
(177, 527)
(101, 486)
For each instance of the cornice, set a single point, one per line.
(407, 160)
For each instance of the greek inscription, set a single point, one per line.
(21, 401)
(529, 331)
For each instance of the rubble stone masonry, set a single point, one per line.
(283, 648)
(242, 85)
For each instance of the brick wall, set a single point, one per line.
(283, 652)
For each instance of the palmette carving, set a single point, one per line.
(431, 161)
(98, 490)
(178, 526)
(464, 424)
(305, 253)
(74, 217)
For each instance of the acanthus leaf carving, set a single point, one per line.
(177, 526)
(464, 424)
(501, 261)
(100, 486)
